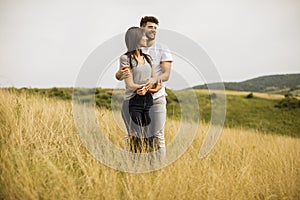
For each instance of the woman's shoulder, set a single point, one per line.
(147, 56)
(148, 59)
(124, 57)
(124, 60)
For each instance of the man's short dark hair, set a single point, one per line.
(146, 19)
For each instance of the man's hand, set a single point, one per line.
(123, 73)
(151, 83)
(156, 87)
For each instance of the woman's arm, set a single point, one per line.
(152, 86)
(156, 86)
(130, 85)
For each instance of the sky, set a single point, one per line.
(45, 43)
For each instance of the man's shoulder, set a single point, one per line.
(159, 45)
(164, 51)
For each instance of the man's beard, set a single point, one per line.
(150, 38)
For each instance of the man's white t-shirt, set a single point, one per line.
(158, 53)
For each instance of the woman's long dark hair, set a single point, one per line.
(133, 37)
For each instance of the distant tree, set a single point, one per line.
(288, 95)
(250, 95)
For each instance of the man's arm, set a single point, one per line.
(124, 69)
(166, 70)
(122, 73)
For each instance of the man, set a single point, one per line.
(162, 62)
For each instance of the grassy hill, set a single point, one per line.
(264, 113)
(286, 83)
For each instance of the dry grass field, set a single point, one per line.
(42, 157)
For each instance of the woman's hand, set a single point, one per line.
(151, 83)
(142, 91)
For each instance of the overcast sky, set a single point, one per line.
(45, 43)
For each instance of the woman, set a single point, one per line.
(138, 98)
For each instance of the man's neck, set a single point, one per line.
(150, 43)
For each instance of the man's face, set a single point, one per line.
(150, 29)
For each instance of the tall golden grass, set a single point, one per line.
(42, 157)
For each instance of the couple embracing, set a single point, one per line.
(144, 68)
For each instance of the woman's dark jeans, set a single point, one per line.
(136, 116)
(139, 107)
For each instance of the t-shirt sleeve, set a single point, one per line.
(124, 61)
(166, 54)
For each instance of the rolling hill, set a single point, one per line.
(284, 83)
